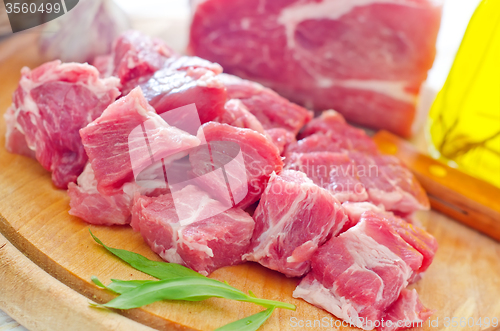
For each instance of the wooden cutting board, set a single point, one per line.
(463, 281)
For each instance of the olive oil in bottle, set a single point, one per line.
(464, 124)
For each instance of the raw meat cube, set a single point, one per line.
(270, 109)
(15, 142)
(333, 171)
(332, 121)
(354, 210)
(386, 180)
(205, 244)
(168, 80)
(191, 62)
(168, 89)
(129, 137)
(282, 138)
(260, 157)
(318, 142)
(330, 142)
(408, 253)
(389, 183)
(294, 217)
(136, 57)
(96, 208)
(407, 312)
(330, 133)
(236, 114)
(329, 120)
(416, 237)
(50, 105)
(366, 59)
(358, 275)
(354, 176)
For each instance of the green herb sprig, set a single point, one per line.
(250, 323)
(178, 283)
(157, 269)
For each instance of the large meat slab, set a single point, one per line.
(364, 58)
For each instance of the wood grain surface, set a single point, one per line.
(40, 302)
(463, 281)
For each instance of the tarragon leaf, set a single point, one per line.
(124, 286)
(186, 289)
(120, 286)
(157, 269)
(178, 283)
(250, 323)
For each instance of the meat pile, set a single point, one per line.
(231, 183)
(364, 58)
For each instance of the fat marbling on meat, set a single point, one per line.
(345, 160)
(415, 236)
(335, 172)
(272, 110)
(204, 244)
(50, 105)
(358, 275)
(237, 114)
(365, 58)
(94, 207)
(294, 217)
(128, 138)
(260, 159)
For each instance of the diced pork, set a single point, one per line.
(236, 114)
(50, 105)
(354, 210)
(294, 217)
(390, 183)
(15, 142)
(104, 64)
(191, 62)
(96, 208)
(136, 57)
(129, 137)
(386, 180)
(270, 109)
(205, 244)
(282, 138)
(261, 158)
(335, 172)
(407, 312)
(331, 132)
(332, 121)
(415, 236)
(168, 89)
(358, 275)
(168, 80)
